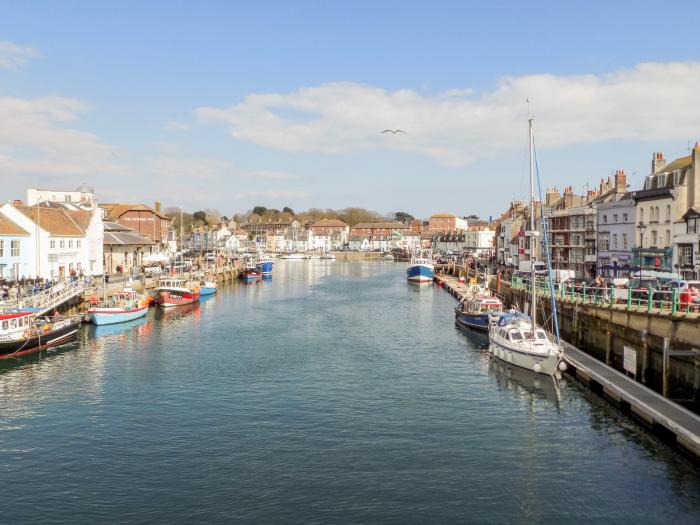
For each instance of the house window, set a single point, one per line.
(615, 218)
(668, 213)
(692, 225)
(52, 243)
(641, 215)
(62, 243)
(685, 255)
(661, 181)
(653, 237)
(77, 243)
(614, 241)
(70, 243)
(605, 219)
(667, 238)
(624, 217)
(68, 199)
(604, 243)
(624, 241)
(14, 248)
(2, 248)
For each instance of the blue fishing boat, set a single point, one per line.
(265, 264)
(208, 286)
(420, 269)
(125, 306)
(479, 313)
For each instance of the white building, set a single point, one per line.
(82, 198)
(58, 241)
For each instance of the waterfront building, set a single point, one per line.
(14, 249)
(375, 229)
(335, 231)
(58, 241)
(669, 193)
(125, 248)
(83, 197)
(407, 240)
(141, 218)
(616, 237)
(447, 223)
(686, 245)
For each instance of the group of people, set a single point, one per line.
(22, 287)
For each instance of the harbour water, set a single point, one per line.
(335, 392)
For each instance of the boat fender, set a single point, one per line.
(94, 299)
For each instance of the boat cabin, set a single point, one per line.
(15, 321)
(483, 305)
(171, 282)
(516, 334)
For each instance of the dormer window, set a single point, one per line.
(661, 180)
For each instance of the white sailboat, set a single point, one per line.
(516, 338)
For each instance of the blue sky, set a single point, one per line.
(228, 105)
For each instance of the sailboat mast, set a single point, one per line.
(533, 236)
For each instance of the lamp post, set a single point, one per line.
(641, 227)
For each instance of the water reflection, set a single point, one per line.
(525, 384)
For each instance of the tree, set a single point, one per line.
(402, 216)
(288, 210)
(259, 210)
(200, 216)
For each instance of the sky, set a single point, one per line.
(229, 105)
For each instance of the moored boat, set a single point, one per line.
(208, 286)
(126, 305)
(23, 332)
(420, 268)
(265, 264)
(479, 312)
(328, 256)
(293, 256)
(173, 291)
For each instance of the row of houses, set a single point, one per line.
(333, 234)
(613, 231)
(56, 234)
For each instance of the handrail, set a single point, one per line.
(631, 299)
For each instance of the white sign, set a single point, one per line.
(629, 362)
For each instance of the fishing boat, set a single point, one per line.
(265, 264)
(420, 268)
(516, 338)
(23, 332)
(174, 291)
(126, 305)
(293, 256)
(208, 285)
(479, 313)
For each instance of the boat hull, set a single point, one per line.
(475, 321)
(264, 268)
(207, 290)
(542, 364)
(250, 276)
(168, 298)
(420, 273)
(65, 333)
(102, 316)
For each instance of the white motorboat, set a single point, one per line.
(293, 256)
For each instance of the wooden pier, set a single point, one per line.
(662, 416)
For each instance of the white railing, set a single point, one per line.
(54, 296)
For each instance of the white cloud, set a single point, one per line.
(652, 101)
(274, 175)
(176, 125)
(34, 140)
(14, 56)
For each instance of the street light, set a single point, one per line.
(641, 227)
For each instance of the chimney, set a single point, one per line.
(620, 181)
(17, 202)
(658, 162)
(157, 206)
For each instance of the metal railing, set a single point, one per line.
(628, 298)
(53, 296)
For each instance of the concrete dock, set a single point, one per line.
(670, 421)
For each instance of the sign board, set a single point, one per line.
(629, 362)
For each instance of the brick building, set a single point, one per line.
(143, 219)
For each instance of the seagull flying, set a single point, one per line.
(394, 131)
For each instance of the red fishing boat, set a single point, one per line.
(173, 291)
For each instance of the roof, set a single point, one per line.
(393, 224)
(56, 221)
(115, 227)
(125, 238)
(116, 210)
(681, 163)
(443, 216)
(328, 223)
(9, 227)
